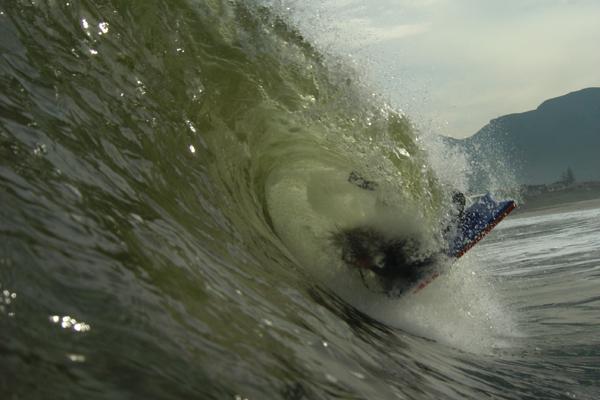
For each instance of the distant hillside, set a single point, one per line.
(540, 145)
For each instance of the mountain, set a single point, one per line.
(538, 146)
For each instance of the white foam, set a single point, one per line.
(458, 309)
(308, 201)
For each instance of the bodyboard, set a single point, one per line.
(474, 224)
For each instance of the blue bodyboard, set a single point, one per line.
(477, 221)
(473, 225)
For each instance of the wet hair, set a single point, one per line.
(459, 201)
(391, 258)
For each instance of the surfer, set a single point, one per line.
(456, 215)
(459, 201)
(391, 257)
(394, 260)
(403, 258)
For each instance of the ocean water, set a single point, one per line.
(170, 177)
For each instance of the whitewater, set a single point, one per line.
(171, 174)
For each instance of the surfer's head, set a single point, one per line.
(458, 201)
(389, 257)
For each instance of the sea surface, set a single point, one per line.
(171, 174)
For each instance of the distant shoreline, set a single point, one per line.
(544, 198)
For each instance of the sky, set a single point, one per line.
(453, 65)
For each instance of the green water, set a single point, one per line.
(171, 174)
(136, 142)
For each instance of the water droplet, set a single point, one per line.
(141, 89)
(40, 149)
(78, 358)
(103, 26)
(68, 322)
(81, 327)
(191, 126)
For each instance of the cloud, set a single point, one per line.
(513, 64)
(460, 63)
